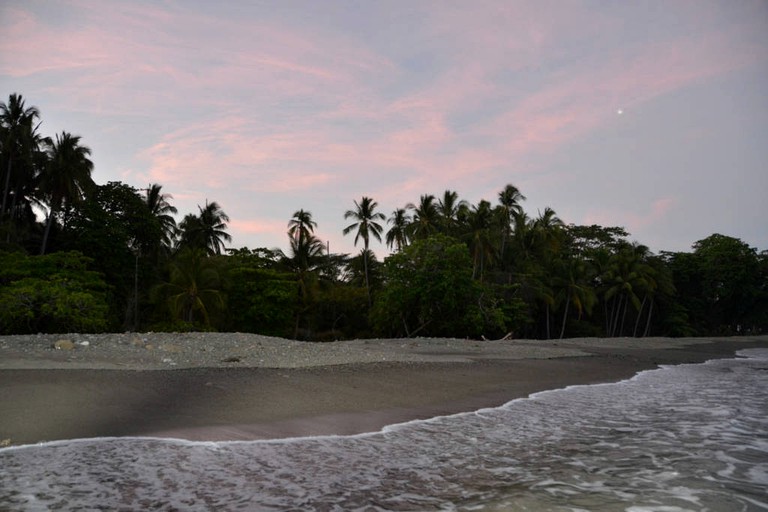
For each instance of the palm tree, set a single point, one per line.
(425, 218)
(205, 231)
(19, 136)
(213, 222)
(301, 226)
(624, 278)
(194, 288)
(161, 209)
(449, 208)
(305, 260)
(575, 289)
(509, 201)
(398, 234)
(479, 222)
(365, 216)
(66, 177)
(23, 159)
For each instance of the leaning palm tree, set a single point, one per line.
(365, 216)
(66, 177)
(573, 281)
(398, 234)
(161, 209)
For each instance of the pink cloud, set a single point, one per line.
(657, 212)
(258, 226)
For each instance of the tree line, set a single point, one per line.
(113, 257)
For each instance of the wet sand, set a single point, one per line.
(237, 403)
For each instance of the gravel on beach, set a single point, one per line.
(165, 351)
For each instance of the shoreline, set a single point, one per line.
(418, 379)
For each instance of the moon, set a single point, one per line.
(620, 111)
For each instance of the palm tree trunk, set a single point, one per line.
(47, 231)
(365, 267)
(639, 314)
(11, 211)
(648, 322)
(565, 316)
(616, 314)
(7, 186)
(624, 316)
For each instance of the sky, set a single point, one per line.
(651, 115)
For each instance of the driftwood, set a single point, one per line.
(509, 336)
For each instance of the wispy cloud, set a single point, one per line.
(291, 108)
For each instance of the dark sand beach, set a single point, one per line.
(274, 388)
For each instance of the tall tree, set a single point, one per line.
(21, 159)
(509, 200)
(161, 209)
(365, 217)
(397, 235)
(449, 208)
(66, 177)
(426, 219)
(479, 223)
(195, 287)
(205, 231)
(17, 122)
(573, 282)
(301, 227)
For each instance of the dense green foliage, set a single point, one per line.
(51, 293)
(112, 257)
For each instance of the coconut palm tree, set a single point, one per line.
(194, 289)
(509, 202)
(66, 177)
(365, 216)
(426, 219)
(205, 231)
(22, 158)
(213, 222)
(479, 223)
(301, 226)
(575, 289)
(161, 209)
(305, 260)
(624, 279)
(398, 234)
(449, 209)
(19, 137)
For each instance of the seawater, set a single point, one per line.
(679, 438)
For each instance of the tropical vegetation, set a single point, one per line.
(80, 256)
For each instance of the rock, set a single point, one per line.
(170, 348)
(137, 342)
(64, 345)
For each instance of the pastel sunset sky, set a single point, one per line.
(652, 115)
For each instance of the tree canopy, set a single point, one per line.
(113, 257)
